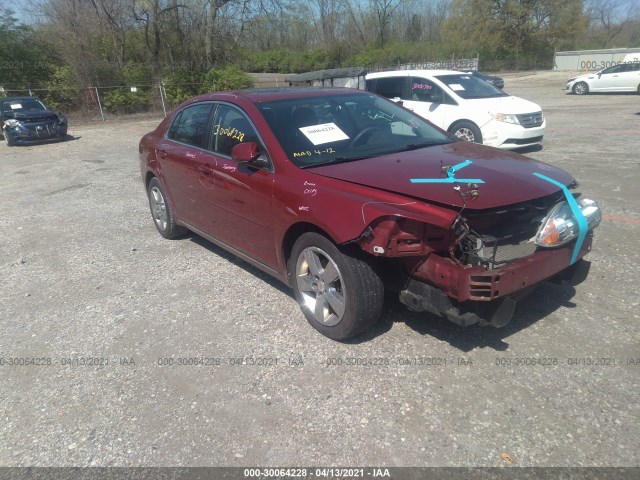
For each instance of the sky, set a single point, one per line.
(21, 9)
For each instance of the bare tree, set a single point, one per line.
(611, 17)
(383, 11)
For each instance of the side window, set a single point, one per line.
(190, 125)
(391, 87)
(423, 90)
(614, 69)
(174, 127)
(230, 127)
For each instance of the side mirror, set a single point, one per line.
(248, 152)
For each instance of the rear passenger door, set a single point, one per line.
(630, 78)
(608, 80)
(179, 158)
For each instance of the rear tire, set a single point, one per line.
(339, 292)
(581, 88)
(467, 131)
(161, 212)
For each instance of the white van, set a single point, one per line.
(464, 105)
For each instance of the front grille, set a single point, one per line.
(493, 251)
(498, 237)
(530, 120)
(40, 130)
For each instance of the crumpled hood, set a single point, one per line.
(35, 114)
(508, 177)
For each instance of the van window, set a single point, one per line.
(423, 90)
(390, 87)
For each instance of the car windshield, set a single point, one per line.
(330, 129)
(23, 105)
(467, 86)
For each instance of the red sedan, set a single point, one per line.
(342, 194)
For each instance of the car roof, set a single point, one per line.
(17, 99)
(258, 95)
(432, 73)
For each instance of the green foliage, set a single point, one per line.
(123, 100)
(517, 33)
(398, 53)
(63, 93)
(150, 41)
(181, 85)
(228, 78)
(25, 59)
(137, 74)
(269, 61)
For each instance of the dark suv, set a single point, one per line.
(27, 119)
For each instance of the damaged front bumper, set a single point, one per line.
(36, 132)
(469, 295)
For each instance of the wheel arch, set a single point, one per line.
(293, 233)
(462, 120)
(148, 178)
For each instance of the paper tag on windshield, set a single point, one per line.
(16, 106)
(456, 87)
(325, 133)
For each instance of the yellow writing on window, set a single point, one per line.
(233, 133)
(311, 153)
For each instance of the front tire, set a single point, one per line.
(339, 293)
(161, 212)
(467, 131)
(581, 88)
(8, 139)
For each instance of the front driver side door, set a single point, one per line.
(242, 195)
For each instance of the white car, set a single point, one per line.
(624, 77)
(464, 105)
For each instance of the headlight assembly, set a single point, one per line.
(561, 225)
(505, 117)
(12, 122)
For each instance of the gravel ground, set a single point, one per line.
(87, 279)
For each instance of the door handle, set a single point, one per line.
(203, 169)
(162, 153)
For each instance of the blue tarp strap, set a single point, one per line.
(451, 171)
